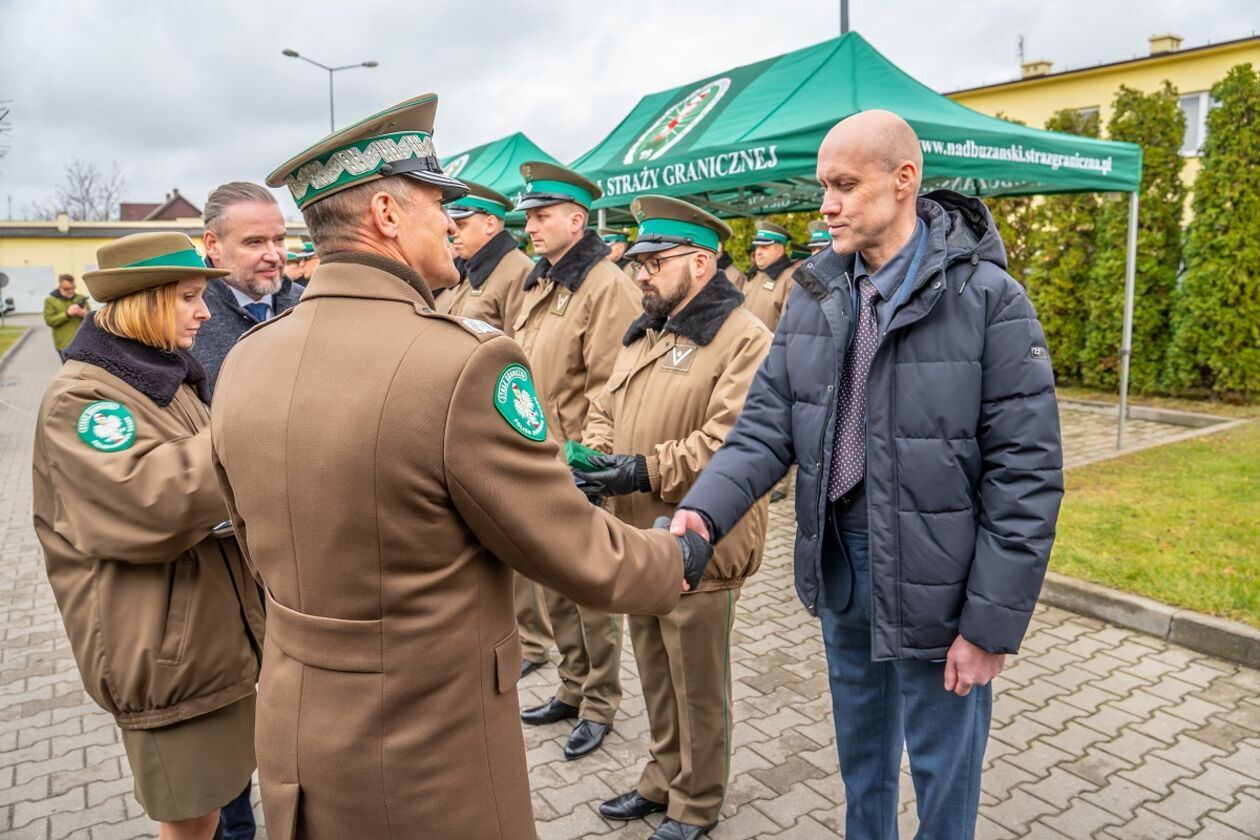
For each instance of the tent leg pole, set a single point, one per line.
(1126, 340)
(602, 217)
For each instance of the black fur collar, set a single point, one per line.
(699, 320)
(573, 266)
(402, 271)
(724, 259)
(483, 263)
(777, 267)
(153, 372)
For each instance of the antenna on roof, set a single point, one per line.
(844, 16)
(1020, 49)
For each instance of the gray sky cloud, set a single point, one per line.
(191, 95)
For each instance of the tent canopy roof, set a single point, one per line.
(497, 165)
(745, 141)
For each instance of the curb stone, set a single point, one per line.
(13, 348)
(1220, 637)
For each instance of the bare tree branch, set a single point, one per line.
(85, 193)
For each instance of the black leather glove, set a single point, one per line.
(618, 474)
(595, 493)
(696, 552)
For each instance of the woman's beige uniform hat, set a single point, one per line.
(145, 261)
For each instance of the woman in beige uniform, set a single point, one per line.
(162, 615)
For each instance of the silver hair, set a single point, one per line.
(332, 220)
(225, 196)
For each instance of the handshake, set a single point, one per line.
(600, 476)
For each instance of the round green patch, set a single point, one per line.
(515, 399)
(107, 426)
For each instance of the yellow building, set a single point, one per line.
(1036, 97)
(34, 254)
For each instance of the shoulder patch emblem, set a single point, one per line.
(107, 426)
(515, 399)
(479, 327)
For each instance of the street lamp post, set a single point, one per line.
(294, 54)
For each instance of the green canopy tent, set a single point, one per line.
(497, 165)
(745, 142)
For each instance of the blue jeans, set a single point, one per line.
(879, 706)
(236, 819)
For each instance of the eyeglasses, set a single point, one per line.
(653, 264)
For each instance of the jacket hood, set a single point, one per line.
(970, 231)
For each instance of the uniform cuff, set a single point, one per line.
(653, 473)
(643, 474)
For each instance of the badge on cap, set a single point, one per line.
(107, 426)
(515, 399)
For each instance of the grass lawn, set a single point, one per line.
(8, 335)
(1177, 523)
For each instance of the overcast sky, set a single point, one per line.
(189, 95)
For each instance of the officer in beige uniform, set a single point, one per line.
(618, 241)
(577, 307)
(768, 289)
(418, 474)
(819, 236)
(727, 266)
(165, 625)
(676, 389)
(495, 267)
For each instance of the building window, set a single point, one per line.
(1195, 107)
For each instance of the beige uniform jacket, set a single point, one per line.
(767, 292)
(495, 284)
(673, 397)
(164, 620)
(387, 702)
(570, 326)
(737, 277)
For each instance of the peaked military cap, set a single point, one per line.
(551, 183)
(669, 222)
(396, 141)
(819, 235)
(769, 233)
(479, 200)
(304, 253)
(611, 235)
(145, 261)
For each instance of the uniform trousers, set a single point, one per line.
(684, 661)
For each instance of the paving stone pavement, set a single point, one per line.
(1098, 731)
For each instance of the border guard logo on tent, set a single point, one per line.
(676, 122)
(456, 166)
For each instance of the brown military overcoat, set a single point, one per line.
(767, 292)
(163, 619)
(673, 396)
(495, 284)
(387, 702)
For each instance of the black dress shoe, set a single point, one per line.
(528, 667)
(629, 806)
(552, 711)
(586, 738)
(674, 830)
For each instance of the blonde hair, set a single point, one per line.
(148, 316)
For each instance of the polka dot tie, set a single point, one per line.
(848, 460)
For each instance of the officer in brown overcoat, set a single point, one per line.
(415, 473)
(677, 387)
(768, 289)
(577, 306)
